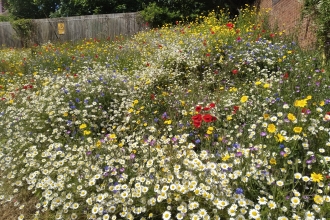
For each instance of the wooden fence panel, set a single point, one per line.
(8, 35)
(75, 28)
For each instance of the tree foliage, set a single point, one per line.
(171, 8)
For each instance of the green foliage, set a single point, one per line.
(157, 16)
(24, 29)
(168, 10)
(28, 9)
(4, 18)
(319, 12)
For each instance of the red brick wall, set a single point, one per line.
(286, 14)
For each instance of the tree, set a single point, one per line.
(64, 8)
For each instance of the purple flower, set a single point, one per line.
(239, 191)
(132, 156)
(263, 133)
(152, 143)
(164, 115)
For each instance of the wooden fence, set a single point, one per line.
(74, 28)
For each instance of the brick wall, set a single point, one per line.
(286, 14)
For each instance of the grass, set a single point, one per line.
(215, 118)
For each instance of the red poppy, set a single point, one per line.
(236, 108)
(286, 76)
(272, 35)
(206, 108)
(197, 124)
(328, 113)
(152, 96)
(197, 117)
(198, 108)
(207, 118)
(212, 105)
(235, 71)
(230, 25)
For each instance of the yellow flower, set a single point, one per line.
(226, 157)
(130, 110)
(257, 83)
(168, 122)
(318, 199)
(98, 144)
(229, 117)
(266, 86)
(87, 132)
(316, 177)
(271, 128)
(82, 126)
(272, 161)
(113, 136)
(279, 138)
(297, 129)
(266, 116)
(135, 101)
(233, 89)
(309, 97)
(209, 130)
(244, 98)
(291, 117)
(300, 103)
(322, 103)
(65, 114)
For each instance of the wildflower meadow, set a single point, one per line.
(217, 118)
